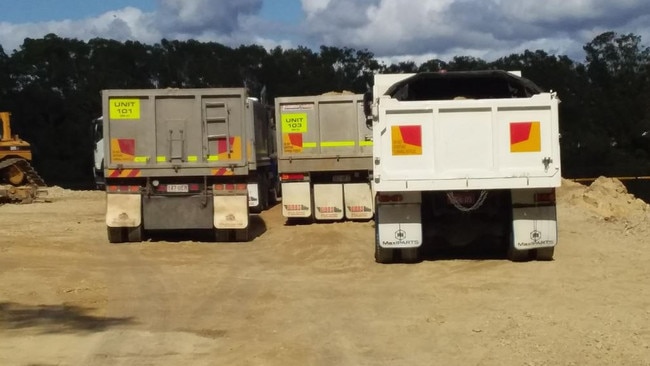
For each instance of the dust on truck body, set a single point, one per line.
(186, 159)
(462, 159)
(324, 157)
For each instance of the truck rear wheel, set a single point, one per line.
(134, 234)
(410, 255)
(115, 234)
(241, 235)
(384, 255)
(545, 254)
(516, 255)
(221, 235)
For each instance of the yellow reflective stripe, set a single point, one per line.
(365, 143)
(192, 158)
(140, 159)
(308, 144)
(213, 157)
(161, 159)
(337, 143)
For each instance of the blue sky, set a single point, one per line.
(23, 11)
(394, 30)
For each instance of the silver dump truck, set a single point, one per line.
(324, 157)
(186, 159)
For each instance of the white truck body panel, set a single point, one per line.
(467, 144)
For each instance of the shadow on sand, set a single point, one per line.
(55, 318)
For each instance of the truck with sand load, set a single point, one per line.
(186, 159)
(462, 159)
(324, 157)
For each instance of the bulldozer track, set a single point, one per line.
(22, 164)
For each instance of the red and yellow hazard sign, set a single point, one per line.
(525, 137)
(222, 171)
(292, 142)
(235, 152)
(124, 173)
(122, 150)
(406, 140)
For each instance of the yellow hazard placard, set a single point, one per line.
(124, 108)
(294, 122)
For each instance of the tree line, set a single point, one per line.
(52, 88)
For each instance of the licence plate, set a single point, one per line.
(178, 188)
(463, 198)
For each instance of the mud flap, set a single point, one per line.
(231, 212)
(399, 226)
(358, 201)
(254, 196)
(534, 227)
(296, 200)
(123, 210)
(328, 201)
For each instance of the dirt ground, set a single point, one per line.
(312, 294)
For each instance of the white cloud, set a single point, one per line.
(391, 29)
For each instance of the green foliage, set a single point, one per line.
(52, 87)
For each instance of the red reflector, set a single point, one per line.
(129, 189)
(218, 187)
(242, 187)
(390, 198)
(230, 187)
(548, 197)
(194, 187)
(292, 176)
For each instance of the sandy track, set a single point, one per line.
(312, 295)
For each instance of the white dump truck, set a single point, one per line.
(180, 159)
(462, 159)
(324, 157)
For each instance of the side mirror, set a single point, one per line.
(367, 104)
(367, 108)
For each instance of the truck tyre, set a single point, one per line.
(516, 255)
(241, 235)
(115, 234)
(134, 234)
(382, 255)
(545, 254)
(410, 255)
(221, 235)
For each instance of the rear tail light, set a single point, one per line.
(123, 189)
(230, 187)
(546, 197)
(292, 177)
(383, 198)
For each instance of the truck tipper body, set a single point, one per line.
(177, 159)
(464, 158)
(324, 157)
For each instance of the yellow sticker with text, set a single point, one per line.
(294, 122)
(124, 108)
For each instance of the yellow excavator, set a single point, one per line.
(19, 182)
